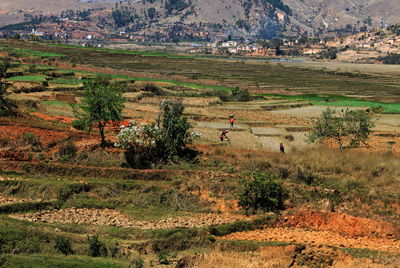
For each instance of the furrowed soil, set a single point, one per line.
(118, 219)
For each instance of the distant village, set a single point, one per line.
(203, 38)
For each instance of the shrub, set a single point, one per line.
(32, 140)
(241, 95)
(96, 247)
(138, 263)
(262, 192)
(305, 176)
(67, 150)
(163, 257)
(79, 124)
(63, 245)
(153, 89)
(158, 143)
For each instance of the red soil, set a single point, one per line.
(62, 119)
(343, 224)
(45, 136)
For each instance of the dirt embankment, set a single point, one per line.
(326, 228)
(342, 224)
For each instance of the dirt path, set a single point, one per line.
(119, 219)
(317, 238)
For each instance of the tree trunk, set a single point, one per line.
(103, 138)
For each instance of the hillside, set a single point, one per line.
(336, 14)
(247, 19)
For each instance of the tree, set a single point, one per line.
(151, 13)
(7, 107)
(346, 126)
(102, 103)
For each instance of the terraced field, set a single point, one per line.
(341, 208)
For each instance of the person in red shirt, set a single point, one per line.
(223, 136)
(231, 120)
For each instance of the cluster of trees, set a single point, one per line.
(123, 17)
(280, 5)
(145, 145)
(393, 58)
(175, 6)
(395, 29)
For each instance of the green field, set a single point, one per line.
(339, 100)
(28, 78)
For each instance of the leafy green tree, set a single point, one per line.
(175, 130)
(102, 103)
(7, 107)
(262, 192)
(346, 126)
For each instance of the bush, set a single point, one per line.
(138, 263)
(96, 247)
(158, 143)
(163, 257)
(262, 192)
(153, 89)
(67, 150)
(79, 124)
(32, 140)
(63, 245)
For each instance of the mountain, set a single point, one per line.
(324, 15)
(169, 19)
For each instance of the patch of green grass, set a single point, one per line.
(56, 103)
(184, 84)
(63, 81)
(360, 252)
(248, 245)
(28, 78)
(239, 226)
(38, 54)
(42, 261)
(129, 52)
(339, 100)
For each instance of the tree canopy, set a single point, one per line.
(102, 103)
(351, 127)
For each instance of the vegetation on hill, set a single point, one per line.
(7, 107)
(393, 58)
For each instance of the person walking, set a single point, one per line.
(281, 147)
(231, 120)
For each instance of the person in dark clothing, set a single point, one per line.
(281, 147)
